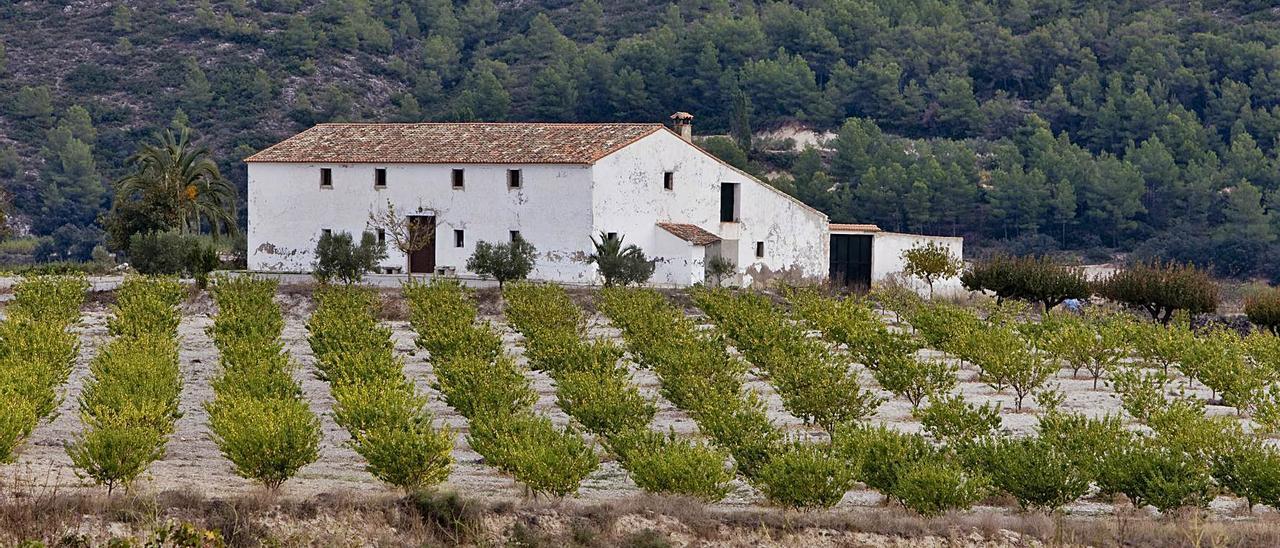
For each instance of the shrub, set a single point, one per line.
(35, 359)
(476, 387)
(503, 262)
(741, 426)
(147, 305)
(37, 353)
(1218, 360)
(155, 253)
(1162, 289)
(880, 455)
(855, 324)
(171, 253)
(668, 464)
(339, 258)
(1250, 470)
(17, 419)
(529, 448)
(620, 265)
(115, 448)
(814, 383)
(266, 439)
(943, 325)
(202, 259)
(931, 262)
(54, 299)
(1155, 473)
(1095, 343)
(1263, 309)
(382, 411)
(1032, 279)
(1085, 442)
(135, 373)
(604, 403)
(803, 475)
(957, 423)
(409, 455)
(1160, 345)
(1004, 359)
(914, 379)
(933, 487)
(718, 268)
(1036, 472)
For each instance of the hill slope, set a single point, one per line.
(1114, 125)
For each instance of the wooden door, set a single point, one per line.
(851, 260)
(423, 261)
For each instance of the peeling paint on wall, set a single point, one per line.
(557, 209)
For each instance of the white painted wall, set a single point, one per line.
(558, 209)
(679, 263)
(552, 210)
(887, 262)
(629, 199)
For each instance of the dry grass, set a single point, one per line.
(43, 512)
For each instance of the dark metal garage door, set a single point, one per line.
(851, 260)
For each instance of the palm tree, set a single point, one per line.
(186, 180)
(618, 264)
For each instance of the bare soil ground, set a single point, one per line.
(340, 494)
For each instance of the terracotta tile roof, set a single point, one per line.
(690, 233)
(837, 227)
(455, 143)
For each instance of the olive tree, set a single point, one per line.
(503, 262)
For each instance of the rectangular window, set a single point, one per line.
(514, 180)
(612, 236)
(326, 232)
(759, 250)
(515, 235)
(458, 179)
(382, 237)
(458, 238)
(729, 202)
(380, 178)
(326, 177)
(668, 180)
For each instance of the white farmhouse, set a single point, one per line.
(554, 185)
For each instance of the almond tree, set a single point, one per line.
(397, 227)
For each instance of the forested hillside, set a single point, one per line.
(1035, 125)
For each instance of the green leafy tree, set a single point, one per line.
(339, 258)
(931, 262)
(1162, 288)
(503, 262)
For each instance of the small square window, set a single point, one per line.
(760, 250)
(458, 178)
(326, 177)
(515, 235)
(514, 178)
(380, 178)
(459, 239)
(612, 236)
(326, 232)
(668, 180)
(382, 236)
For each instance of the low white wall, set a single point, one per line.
(886, 260)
